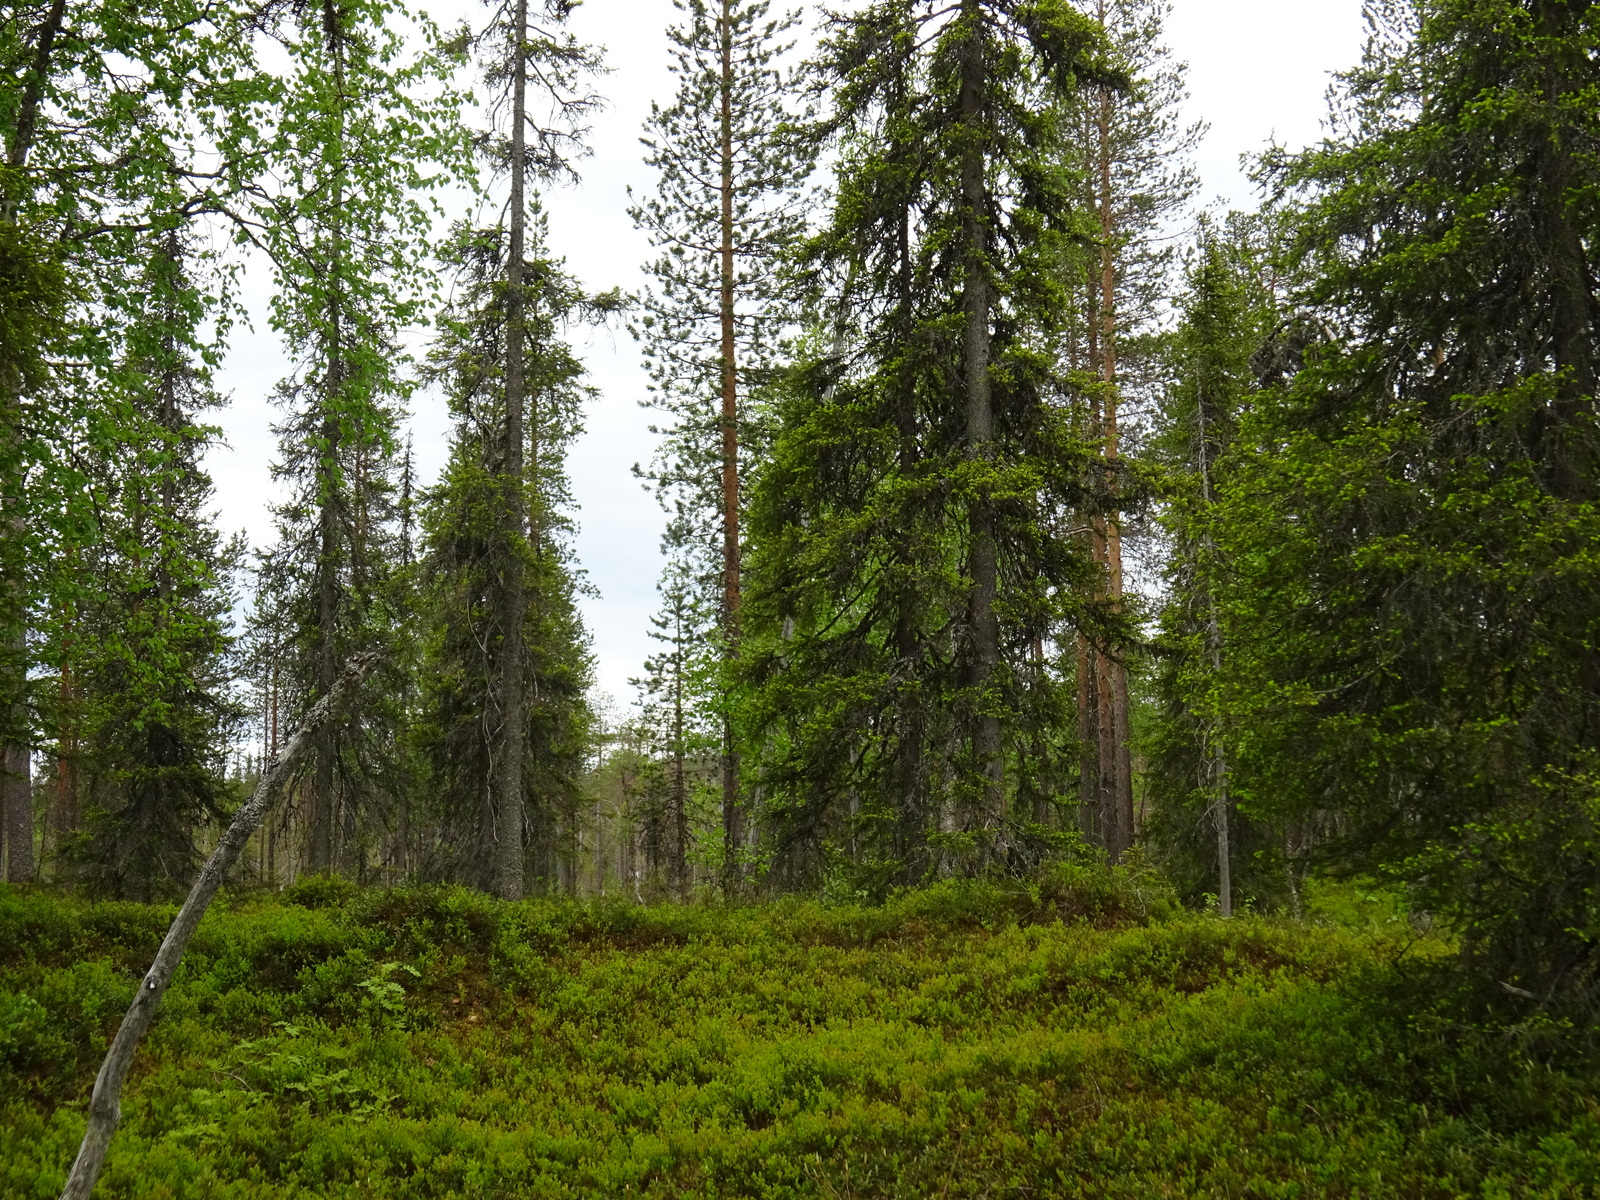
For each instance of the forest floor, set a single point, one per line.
(1079, 1037)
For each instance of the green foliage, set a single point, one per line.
(33, 297)
(467, 549)
(869, 694)
(1074, 1033)
(1409, 513)
(105, 116)
(1227, 310)
(143, 712)
(365, 128)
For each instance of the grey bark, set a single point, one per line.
(732, 811)
(982, 563)
(105, 1110)
(18, 813)
(1218, 761)
(508, 874)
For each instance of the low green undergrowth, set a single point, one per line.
(1077, 1037)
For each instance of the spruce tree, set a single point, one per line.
(344, 230)
(1226, 311)
(524, 46)
(469, 555)
(1411, 505)
(152, 670)
(732, 161)
(676, 704)
(912, 529)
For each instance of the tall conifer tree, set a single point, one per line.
(152, 679)
(524, 46)
(911, 528)
(468, 556)
(1226, 311)
(676, 680)
(732, 163)
(344, 233)
(1132, 157)
(1411, 505)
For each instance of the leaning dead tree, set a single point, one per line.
(105, 1109)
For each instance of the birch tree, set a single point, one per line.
(113, 122)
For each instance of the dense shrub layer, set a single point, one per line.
(1075, 1038)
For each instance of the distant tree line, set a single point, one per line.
(1016, 505)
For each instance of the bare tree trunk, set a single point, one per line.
(732, 816)
(1088, 741)
(599, 847)
(320, 850)
(105, 1110)
(1094, 688)
(982, 562)
(18, 812)
(64, 812)
(508, 874)
(912, 826)
(1218, 757)
(680, 798)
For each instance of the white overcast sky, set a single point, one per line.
(1258, 71)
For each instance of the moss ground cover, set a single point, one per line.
(1079, 1037)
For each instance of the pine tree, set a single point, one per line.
(732, 161)
(911, 530)
(1133, 161)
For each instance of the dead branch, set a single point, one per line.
(105, 1109)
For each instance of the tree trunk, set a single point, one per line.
(105, 1110)
(912, 827)
(16, 784)
(1097, 764)
(328, 488)
(732, 817)
(1115, 731)
(27, 116)
(1217, 758)
(680, 798)
(1088, 742)
(982, 563)
(64, 816)
(514, 607)
(321, 831)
